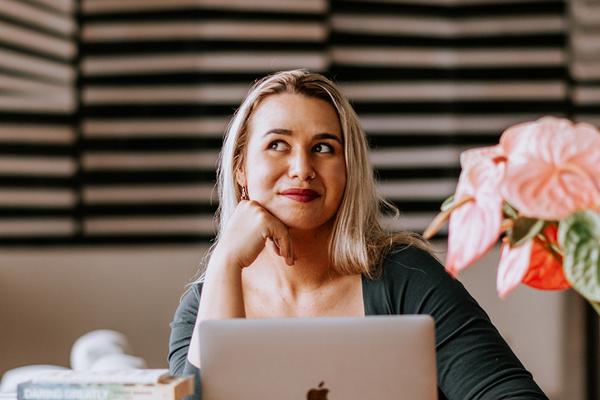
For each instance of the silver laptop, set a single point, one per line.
(339, 358)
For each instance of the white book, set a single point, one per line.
(125, 376)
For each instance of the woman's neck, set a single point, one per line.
(311, 270)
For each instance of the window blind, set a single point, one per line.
(109, 134)
(38, 140)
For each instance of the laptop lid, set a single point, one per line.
(326, 358)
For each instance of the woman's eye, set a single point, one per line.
(277, 145)
(324, 148)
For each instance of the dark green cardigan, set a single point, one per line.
(473, 361)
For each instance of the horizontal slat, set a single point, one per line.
(149, 194)
(25, 12)
(583, 70)
(417, 91)
(431, 189)
(222, 62)
(115, 6)
(24, 227)
(500, 73)
(36, 66)
(211, 94)
(445, 28)
(446, 2)
(149, 225)
(210, 30)
(38, 42)
(50, 198)
(586, 44)
(36, 134)
(200, 127)
(55, 103)
(440, 123)
(119, 210)
(476, 42)
(37, 166)
(390, 56)
(414, 222)
(149, 177)
(64, 6)
(150, 144)
(416, 157)
(120, 161)
(18, 84)
(587, 95)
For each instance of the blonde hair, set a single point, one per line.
(358, 241)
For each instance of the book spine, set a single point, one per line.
(60, 391)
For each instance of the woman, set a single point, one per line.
(299, 236)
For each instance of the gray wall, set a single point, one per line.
(48, 298)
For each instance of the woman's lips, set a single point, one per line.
(301, 195)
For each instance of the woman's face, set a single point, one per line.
(295, 142)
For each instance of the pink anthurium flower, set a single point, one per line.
(475, 225)
(514, 264)
(473, 156)
(553, 167)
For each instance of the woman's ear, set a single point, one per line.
(240, 177)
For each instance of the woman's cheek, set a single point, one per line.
(265, 181)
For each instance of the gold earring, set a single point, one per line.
(244, 193)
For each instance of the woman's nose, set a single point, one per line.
(301, 166)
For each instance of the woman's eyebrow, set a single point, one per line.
(278, 131)
(328, 136)
(287, 132)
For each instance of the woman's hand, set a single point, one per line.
(250, 229)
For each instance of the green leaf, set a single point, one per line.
(524, 230)
(583, 225)
(579, 236)
(509, 211)
(447, 203)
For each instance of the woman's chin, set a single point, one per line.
(301, 224)
(305, 223)
(300, 218)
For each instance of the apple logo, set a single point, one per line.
(317, 394)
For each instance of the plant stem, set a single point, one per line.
(507, 224)
(551, 247)
(444, 216)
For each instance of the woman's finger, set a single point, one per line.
(271, 242)
(283, 241)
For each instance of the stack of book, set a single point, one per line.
(136, 384)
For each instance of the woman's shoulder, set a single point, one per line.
(190, 299)
(409, 260)
(415, 282)
(194, 290)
